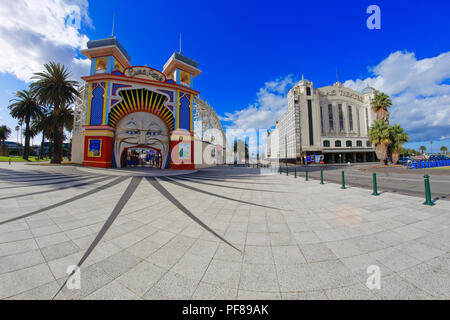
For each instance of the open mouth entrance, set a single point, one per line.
(142, 157)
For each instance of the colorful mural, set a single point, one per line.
(141, 100)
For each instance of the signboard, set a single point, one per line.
(94, 148)
(145, 73)
(185, 151)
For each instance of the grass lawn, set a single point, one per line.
(20, 159)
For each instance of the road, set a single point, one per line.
(397, 180)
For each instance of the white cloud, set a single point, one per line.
(35, 32)
(419, 90)
(270, 104)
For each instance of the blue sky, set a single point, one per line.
(252, 52)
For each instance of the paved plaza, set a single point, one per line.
(217, 233)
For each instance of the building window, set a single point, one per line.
(350, 118)
(358, 122)
(310, 123)
(326, 143)
(367, 121)
(368, 143)
(322, 129)
(308, 91)
(348, 143)
(337, 143)
(330, 117)
(359, 143)
(341, 118)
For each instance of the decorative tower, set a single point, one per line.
(108, 57)
(182, 71)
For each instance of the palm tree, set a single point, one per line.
(444, 149)
(42, 125)
(379, 136)
(56, 90)
(380, 104)
(17, 131)
(422, 149)
(5, 132)
(397, 137)
(65, 119)
(25, 108)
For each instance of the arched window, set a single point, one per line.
(348, 143)
(337, 143)
(359, 143)
(308, 91)
(326, 143)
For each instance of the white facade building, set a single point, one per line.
(331, 121)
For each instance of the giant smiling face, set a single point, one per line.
(141, 129)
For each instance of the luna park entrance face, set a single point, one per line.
(141, 157)
(141, 139)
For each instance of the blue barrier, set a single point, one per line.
(422, 164)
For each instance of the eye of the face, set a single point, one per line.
(132, 132)
(153, 133)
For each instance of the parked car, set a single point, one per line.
(438, 157)
(404, 160)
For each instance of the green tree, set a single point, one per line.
(25, 107)
(42, 125)
(380, 104)
(5, 132)
(379, 136)
(17, 131)
(405, 152)
(397, 136)
(444, 149)
(65, 119)
(56, 90)
(422, 149)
